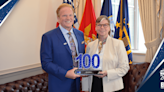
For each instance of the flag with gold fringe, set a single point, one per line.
(88, 22)
(122, 31)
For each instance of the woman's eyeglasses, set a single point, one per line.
(104, 25)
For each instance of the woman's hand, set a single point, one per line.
(86, 91)
(104, 73)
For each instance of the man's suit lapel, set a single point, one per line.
(61, 37)
(79, 40)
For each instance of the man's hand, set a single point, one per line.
(101, 76)
(70, 74)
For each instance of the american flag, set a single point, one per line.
(76, 24)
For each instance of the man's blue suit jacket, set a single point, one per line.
(56, 60)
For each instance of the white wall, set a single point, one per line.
(20, 34)
(138, 57)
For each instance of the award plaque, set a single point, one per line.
(88, 65)
(87, 72)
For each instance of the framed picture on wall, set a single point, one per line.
(6, 7)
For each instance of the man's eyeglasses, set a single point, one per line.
(104, 25)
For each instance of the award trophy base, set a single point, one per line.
(87, 72)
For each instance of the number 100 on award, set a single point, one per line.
(85, 61)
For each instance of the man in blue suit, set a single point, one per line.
(56, 52)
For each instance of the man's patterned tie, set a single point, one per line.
(73, 49)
